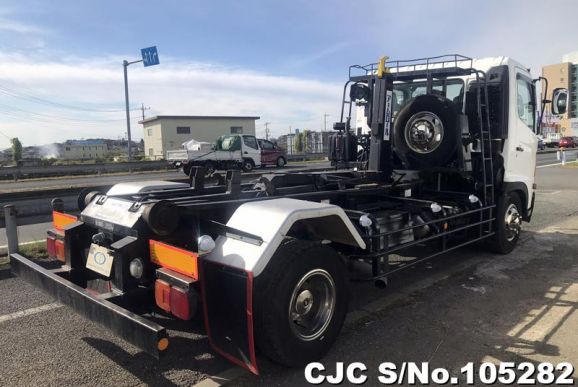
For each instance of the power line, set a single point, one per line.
(32, 98)
(43, 115)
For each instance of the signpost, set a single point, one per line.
(150, 57)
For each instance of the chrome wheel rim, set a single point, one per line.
(513, 222)
(424, 132)
(312, 305)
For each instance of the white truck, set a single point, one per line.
(449, 160)
(234, 151)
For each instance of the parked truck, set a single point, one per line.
(234, 151)
(449, 160)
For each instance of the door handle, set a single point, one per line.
(246, 152)
(519, 149)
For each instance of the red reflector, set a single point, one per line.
(59, 250)
(51, 247)
(180, 306)
(163, 295)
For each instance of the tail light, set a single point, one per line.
(51, 247)
(173, 299)
(163, 295)
(180, 305)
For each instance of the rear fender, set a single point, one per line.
(228, 271)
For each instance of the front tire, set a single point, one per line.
(248, 165)
(300, 303)
(281, 162)
(508, 224)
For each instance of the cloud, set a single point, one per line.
(318, 55)
(173, 87)
(19, 27)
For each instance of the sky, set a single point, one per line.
(286, 61)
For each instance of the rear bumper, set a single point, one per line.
(135, 329)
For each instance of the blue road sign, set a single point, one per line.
(150, 56)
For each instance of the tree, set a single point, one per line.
(299, 142)
(16, 150)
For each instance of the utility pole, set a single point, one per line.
(143, 108)
(325, 115)
(267, 130)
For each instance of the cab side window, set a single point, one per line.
(525, 106)
(250, 141)
(267, 145)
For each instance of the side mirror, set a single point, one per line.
(359, 93)
(559, 101)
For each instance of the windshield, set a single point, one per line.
(452, 89)
(228, 143)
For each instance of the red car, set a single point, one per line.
(567, 142)
(271, 154)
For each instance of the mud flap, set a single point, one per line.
(228, 309)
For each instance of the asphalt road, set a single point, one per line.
(465, 306)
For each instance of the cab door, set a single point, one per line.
(251, 149)
(522, 141)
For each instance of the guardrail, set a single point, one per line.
(34, 206)
(16, 173)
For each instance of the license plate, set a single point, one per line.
(99, 260)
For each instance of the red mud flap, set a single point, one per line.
(228, 309)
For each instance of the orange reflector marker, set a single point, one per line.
(61, 220)
(171, 257)
(163, 344)
(163, 295)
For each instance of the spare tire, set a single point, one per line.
(425, 132)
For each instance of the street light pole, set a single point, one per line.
(125, 65)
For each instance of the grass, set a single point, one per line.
(570, 164)
(34, 250)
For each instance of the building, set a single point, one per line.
(563, 75)
(84, 150)
(163, 133)
(312, 142)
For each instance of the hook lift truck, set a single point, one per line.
(447, 158)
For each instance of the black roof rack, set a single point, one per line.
(443, 65)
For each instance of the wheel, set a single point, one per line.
(281, 162)
(248, 165)
(508, 224)
(209, 168)
(425, 131)
(187, 169)
(300, 303)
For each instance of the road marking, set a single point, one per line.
(551, 165)
(29, 312)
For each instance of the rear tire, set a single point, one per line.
(508, 224)
(281, 162)
(300, 303)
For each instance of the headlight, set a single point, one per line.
(206, 244)
(136, 268)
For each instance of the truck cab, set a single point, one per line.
(512, 103)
